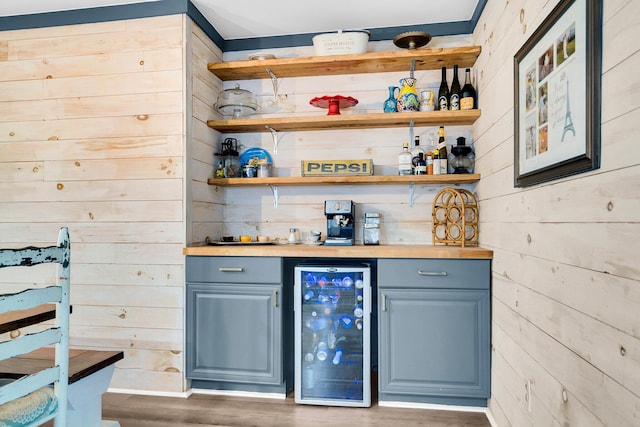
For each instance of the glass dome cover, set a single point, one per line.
(237, 102)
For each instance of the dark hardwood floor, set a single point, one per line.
(205, 410)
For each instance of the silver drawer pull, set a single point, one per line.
(432, 273)
(231, 269)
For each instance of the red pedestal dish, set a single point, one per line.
(334, 103)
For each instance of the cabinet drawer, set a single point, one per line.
(434, 273)
(234, 269)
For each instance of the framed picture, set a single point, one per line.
(558, 95)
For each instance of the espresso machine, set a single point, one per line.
(340, 222)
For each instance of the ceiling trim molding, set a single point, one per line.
(94, 14)
(172, 7)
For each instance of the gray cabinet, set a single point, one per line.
(234, 323)
(434, 331)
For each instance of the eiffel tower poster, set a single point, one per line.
(568, 121)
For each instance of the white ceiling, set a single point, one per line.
(238, 19)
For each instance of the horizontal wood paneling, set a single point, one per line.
(130, 337)
(565, 274)
(92, 137)
(205, 204)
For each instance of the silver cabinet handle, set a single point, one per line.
(231, 269)
(432, 273)
(384, 302)
(275, 298)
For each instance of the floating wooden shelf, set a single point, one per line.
(346, 121)
(371, 62)
(450, 179)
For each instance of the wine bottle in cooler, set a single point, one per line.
(454, 93)
(468, 94)
(443, 92)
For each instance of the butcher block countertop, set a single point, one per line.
(358, 251)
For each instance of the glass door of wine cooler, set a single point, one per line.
(332, 335)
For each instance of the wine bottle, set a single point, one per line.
(454, 93)
(443, 93)
(415, 153)
(404, 160)
(468, 93)
(442, 151)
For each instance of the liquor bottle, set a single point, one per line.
(415, 152)
(468, 94)
(443, 93)
(404, 160)
(436, 162)
(421, 167)
(442, 151)
(454, 93)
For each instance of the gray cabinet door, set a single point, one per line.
(434, 342)
(234, 332)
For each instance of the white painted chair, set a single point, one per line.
(31, 400)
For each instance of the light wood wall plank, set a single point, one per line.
(75, 191)
(101, 127)
(564, 274)
(128, 211)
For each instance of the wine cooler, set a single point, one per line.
(332, 335)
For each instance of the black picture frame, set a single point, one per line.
(566, 48)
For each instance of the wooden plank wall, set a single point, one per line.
(251, 210)
(566, 277)
(92, 137)
(207, 202)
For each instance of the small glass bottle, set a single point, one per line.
(429, 162)
(220, 170)
(421, 166)
(294, 236)
(404, 160)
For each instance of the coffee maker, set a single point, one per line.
(340, 222)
